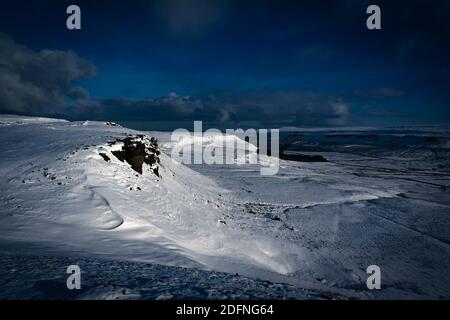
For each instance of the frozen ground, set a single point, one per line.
(308, 232)
(27, 276)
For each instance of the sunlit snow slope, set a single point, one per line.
(313, 226)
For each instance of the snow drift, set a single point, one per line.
(90, 190)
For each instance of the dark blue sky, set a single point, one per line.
(250, 63)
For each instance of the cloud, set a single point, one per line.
(190, 17)
(375, 112)
(264, 107)
(381, 93)
(280, 106)
(40, 82)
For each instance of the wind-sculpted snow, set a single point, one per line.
(125, 280)
(311, 230)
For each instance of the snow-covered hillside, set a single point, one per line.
(308, 232)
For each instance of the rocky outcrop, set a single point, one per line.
(297, 156)
(104, 156)
(112, 124)
(302, 157)
(139, 150)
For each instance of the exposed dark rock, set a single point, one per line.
(296, 156)
(112, 124)
(302, 157)
(104, 156)
(139, 150)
